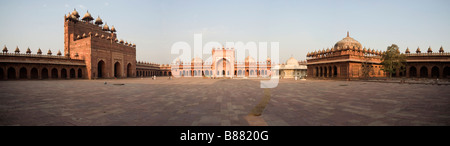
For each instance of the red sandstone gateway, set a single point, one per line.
(90, 51)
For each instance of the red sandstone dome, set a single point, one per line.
(87, 17)
(98, 21)
(113, 29)
(348, 42)
(75, 13)
(105, 27)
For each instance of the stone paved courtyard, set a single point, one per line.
(225, 102)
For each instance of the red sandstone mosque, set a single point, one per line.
(92, 50)
(345, 60)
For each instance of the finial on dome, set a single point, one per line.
(348, 34)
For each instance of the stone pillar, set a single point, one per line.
(429, 71)
(320, 71)
(332, 72)
(17, 73)
(59, 73)
(407, 71)
(441, 71)
(28, 73)
(418, 72)
(5, 73)
(338, 71)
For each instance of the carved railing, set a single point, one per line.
(37, 55)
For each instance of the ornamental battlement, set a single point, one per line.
(428, 53)
(78, 30)
(28, 53)
(346, 46)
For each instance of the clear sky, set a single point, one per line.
(300, 26)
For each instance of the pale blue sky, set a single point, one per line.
(299, 26)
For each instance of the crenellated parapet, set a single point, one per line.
(348, 50)
(87, 28)
(28, 53)
(429, 52)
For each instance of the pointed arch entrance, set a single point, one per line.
(117, 70)
(101, 69)
(129, 70)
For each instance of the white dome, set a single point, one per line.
(292, 61)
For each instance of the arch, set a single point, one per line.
(80, 73)
(435, 72)
(117, 70)
(23, 73)
(240, 72)
(195, 73)
(423, 72)
(101, 69)
(11, 73)
(207, 73)
(34, 73)
(446, 72)
(44, 73)
(129, 70)
(54, 73)
(412, 71)
(265, 72)
(235, 72)
(251, 72)
(63, 73)
(72, 73)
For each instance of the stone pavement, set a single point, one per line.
(222, 102)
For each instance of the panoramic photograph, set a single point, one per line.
(224, 63)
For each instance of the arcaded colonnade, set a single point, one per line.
(37, 71)
(145, 69)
